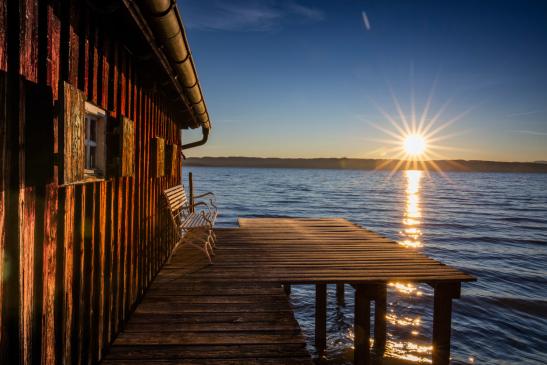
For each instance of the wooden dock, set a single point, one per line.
(235, 311)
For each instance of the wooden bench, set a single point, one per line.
(193, 221)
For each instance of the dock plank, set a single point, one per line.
(235, 311)
(214, 323)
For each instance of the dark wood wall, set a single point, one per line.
(74, 259)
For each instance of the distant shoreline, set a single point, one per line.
(368, 164)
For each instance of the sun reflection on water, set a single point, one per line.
(409, 344)
(411, 233)
(406, 288)
(408, 337)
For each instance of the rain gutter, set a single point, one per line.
(168, 40)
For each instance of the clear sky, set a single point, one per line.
(302, 78)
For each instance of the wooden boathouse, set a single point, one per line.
(93, 95)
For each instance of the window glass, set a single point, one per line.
(93, 130)
(95, 139)
(90, 142)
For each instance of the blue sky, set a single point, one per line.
(310, 78)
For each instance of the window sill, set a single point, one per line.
(91, 178)
(85, 180)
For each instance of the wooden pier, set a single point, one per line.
(235, 311)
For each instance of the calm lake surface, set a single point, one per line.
(493, 226)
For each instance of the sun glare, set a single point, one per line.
(415, 139)
(414, 145)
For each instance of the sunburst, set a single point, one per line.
(416, 141)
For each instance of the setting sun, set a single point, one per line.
(414, 144)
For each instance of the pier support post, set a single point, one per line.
(362, 325)
(321, 318)
(287, 288)
(340, 294)
(442, 318)
(191, 190)
(380, 311)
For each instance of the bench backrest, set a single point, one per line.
(175, 198)
(177, 204)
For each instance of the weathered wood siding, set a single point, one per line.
(74, 259)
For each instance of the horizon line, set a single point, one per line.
(375, 159)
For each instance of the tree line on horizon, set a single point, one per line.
(369, 164)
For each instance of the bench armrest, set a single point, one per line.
(197, 204)
(212, 200)
(202, 195)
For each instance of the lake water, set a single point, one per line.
(493, 226)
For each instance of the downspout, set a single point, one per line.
(202, 141)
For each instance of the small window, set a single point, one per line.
(95, 140)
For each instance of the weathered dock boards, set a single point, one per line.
(184, 321)
(235, 309)
(312, 251)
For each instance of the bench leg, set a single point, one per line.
(207, 247)
(201, 248)
(203, 237)
(210, 246)
(204, 249)
(180, 242)
(214, 236)
(208, 242)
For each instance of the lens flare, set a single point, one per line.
(415, 138)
